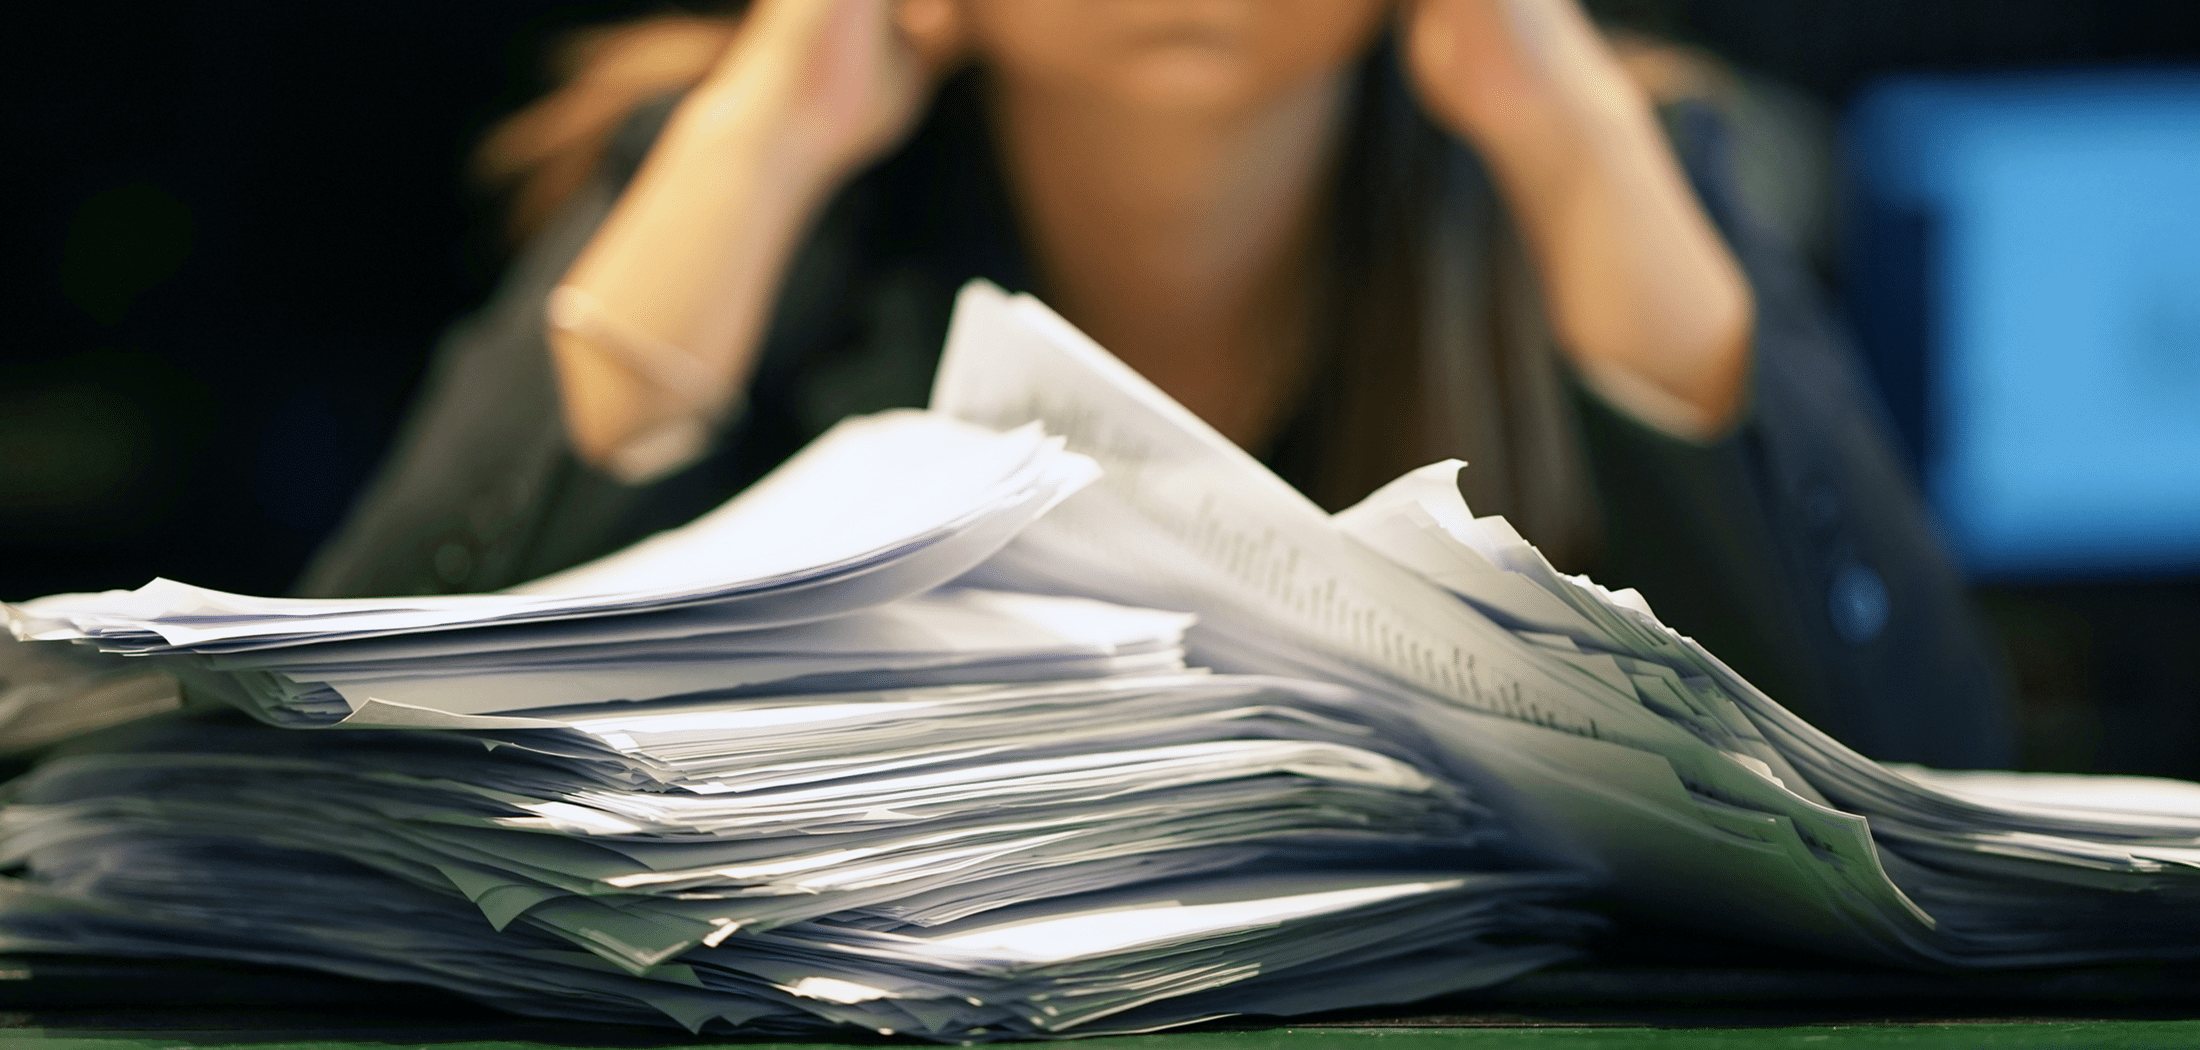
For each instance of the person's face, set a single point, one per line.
(1195, 55)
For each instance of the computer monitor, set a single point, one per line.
(2024, 269)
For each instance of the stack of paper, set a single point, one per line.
(784, 584)
(50, 693)
(1141, 957)
(879, 508)
(726, 786)
(446, 679)
(760, 773)
(1623, 745)
(860, 858)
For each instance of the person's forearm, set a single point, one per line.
(1643, 292)
(1645, 296)
(683, 273)
(657, 323)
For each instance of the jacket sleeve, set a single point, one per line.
(1799, 547)
(481, 489)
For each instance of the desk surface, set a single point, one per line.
(54, 1002)
(1491, 1034)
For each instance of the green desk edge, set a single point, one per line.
(1982, 1034)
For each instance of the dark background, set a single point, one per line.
(236, 228)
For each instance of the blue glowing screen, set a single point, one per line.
(2061, 317)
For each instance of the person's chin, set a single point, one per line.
(1187, 78)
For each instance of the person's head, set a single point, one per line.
(1210, 56)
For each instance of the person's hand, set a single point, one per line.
(842, 80)
(1645, 297)
(1502, 71)
(546, 151)
(656, 324)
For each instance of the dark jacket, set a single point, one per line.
(1797, 548)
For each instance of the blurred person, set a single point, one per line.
(1355, 236)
